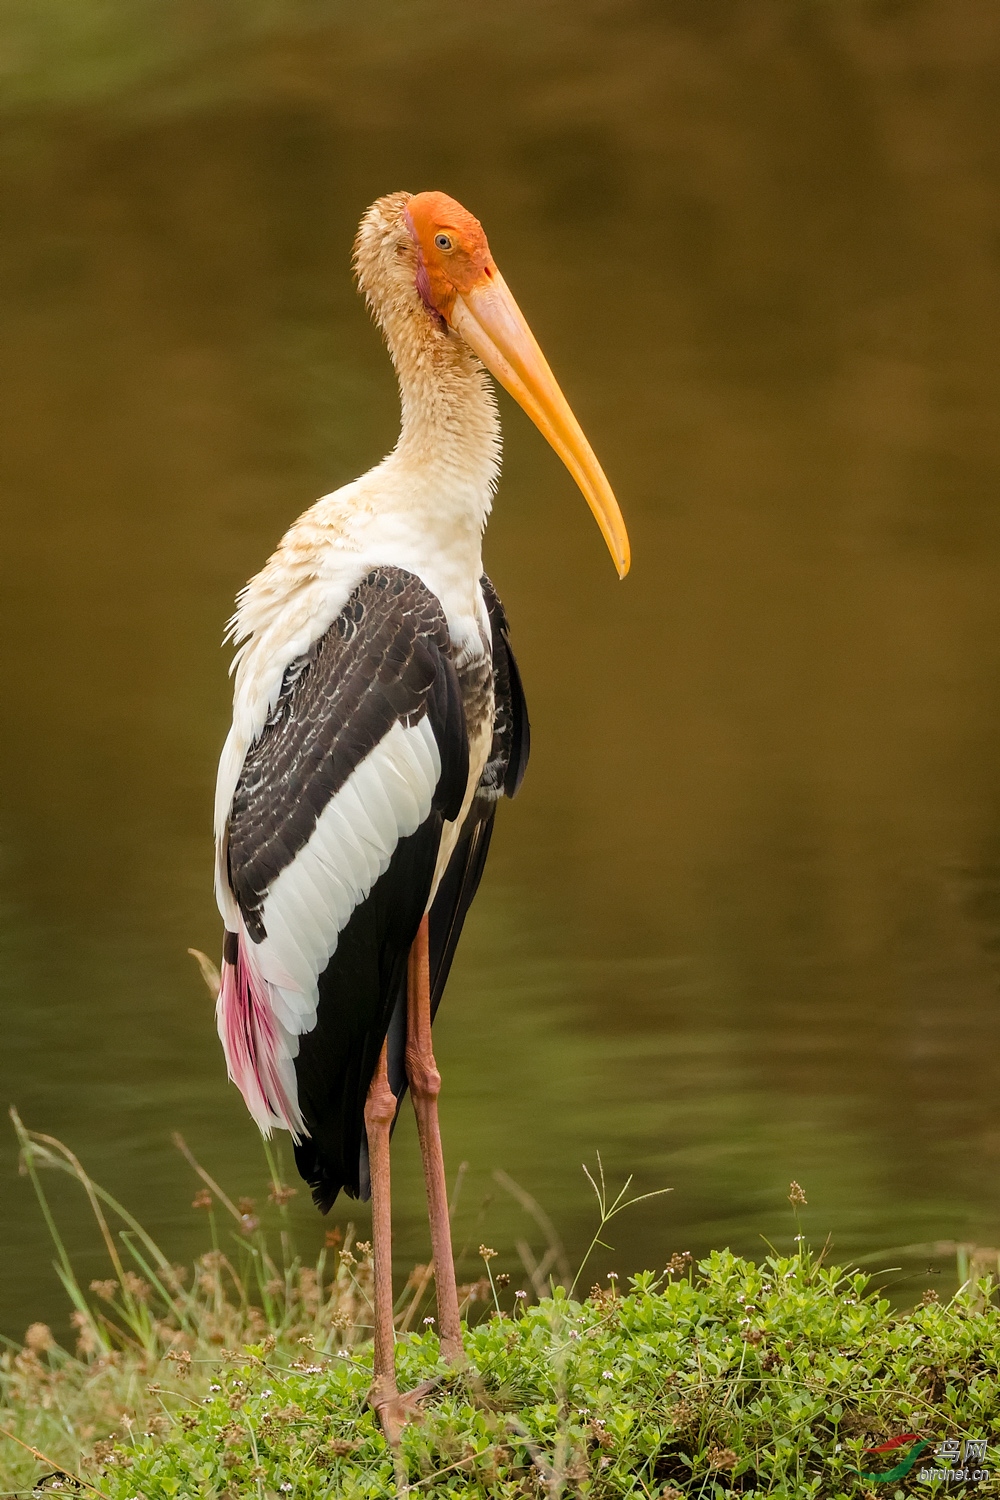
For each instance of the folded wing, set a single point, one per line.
(332, 839)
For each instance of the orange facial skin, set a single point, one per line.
(446, 271)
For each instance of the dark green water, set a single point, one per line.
(743, 923)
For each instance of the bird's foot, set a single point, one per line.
(453, 1350)
(395, 1409)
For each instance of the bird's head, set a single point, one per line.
(453, 256)
(426, 256)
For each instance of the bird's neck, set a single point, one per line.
(449, 442)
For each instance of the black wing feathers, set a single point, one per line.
(455, 895)
(502, 776)
(511, 729)
(385, 658)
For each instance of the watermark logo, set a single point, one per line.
(959, 1462)
(906, 1463)
(955, 1461)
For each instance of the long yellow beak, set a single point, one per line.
(492, 324)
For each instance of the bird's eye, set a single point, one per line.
(443, 241)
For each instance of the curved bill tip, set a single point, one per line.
(492, 324)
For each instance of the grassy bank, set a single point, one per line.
(248, 1377)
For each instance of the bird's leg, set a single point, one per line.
(380, 1110)
(425, 1085)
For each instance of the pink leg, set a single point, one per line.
(425, 1086)
(380, 1109)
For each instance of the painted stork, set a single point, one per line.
(378, 718)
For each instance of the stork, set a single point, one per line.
(378, 717)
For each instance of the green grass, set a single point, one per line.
(249, 1378)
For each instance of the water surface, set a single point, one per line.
(743, 922)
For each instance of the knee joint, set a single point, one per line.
(425, 1080)
(380, 1106)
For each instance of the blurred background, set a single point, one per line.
(743, 922)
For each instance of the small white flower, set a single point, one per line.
(428, 1322)
(607, 1374)
(268, 1392)
(285, 1487)
(344, 1354)
(215, 1387)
